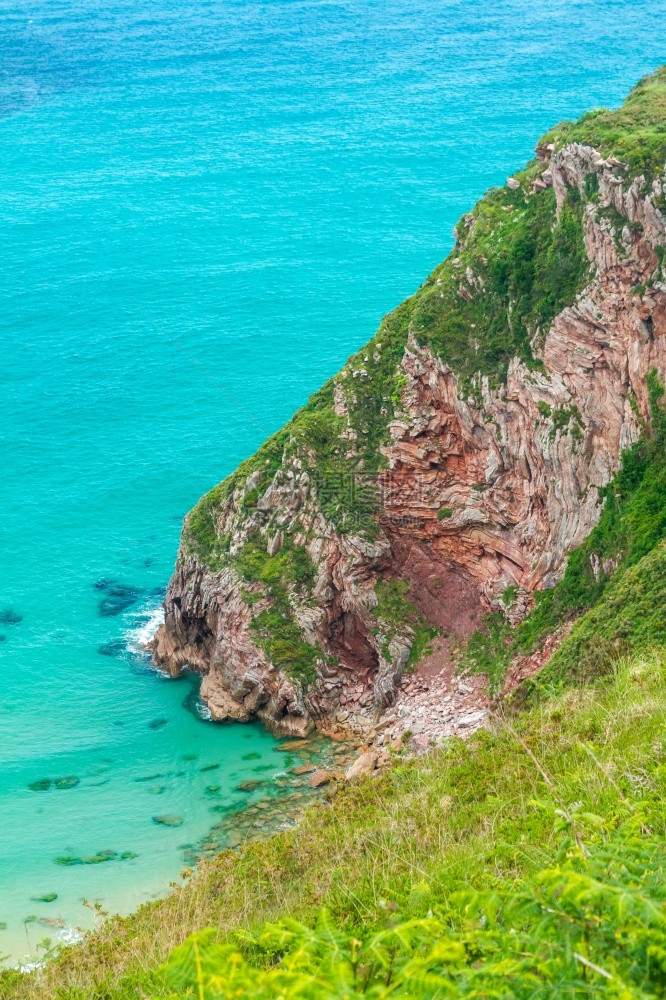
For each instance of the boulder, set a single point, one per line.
(362, 766)
(319, 778)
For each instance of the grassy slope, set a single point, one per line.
(486, 815)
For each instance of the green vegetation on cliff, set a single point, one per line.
(395, 611)
(274, 629)
(635, 133)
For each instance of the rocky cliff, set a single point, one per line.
(452, 464)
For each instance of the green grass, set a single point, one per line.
(485, 866)
(635, 133)
(274, 629)
(526, 267)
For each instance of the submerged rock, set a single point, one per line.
(69, 860)
(168, 820)
(251, 756)
(158, 723)
(209, 767)
(117, 647)
(71, 781)
(42, 785)
(249, 786)
(51, 922)
(99, 858)
(48, 897)
(10, 617)
(119, 597)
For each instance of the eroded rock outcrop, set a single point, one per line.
(307, 582)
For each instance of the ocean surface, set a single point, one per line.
(205, 208)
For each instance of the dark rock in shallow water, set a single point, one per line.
(117, 647)
(209, 767)
(42, 785)
(69, 860)
(150, 777)
(57, 922)
(9, 617)
(168, 820)
(119, 597)
(71, 781)
(97, 859)
(251, 756)
(49, 897)
(157, 723)
(249, 786)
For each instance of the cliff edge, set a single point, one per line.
(452, 465)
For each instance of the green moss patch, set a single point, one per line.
(275, 629)
(395, 611)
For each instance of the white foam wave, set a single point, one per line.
(139, 637)
(203, 710)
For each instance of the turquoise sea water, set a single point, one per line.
(260, 181)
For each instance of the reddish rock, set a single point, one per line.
(362, 766)
(319, 778)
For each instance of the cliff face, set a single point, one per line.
(453, 463)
